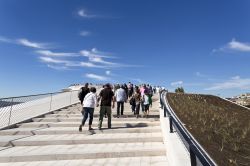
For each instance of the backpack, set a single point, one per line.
(150, 100)
(83, 93)
(80, 95)
(132, 101)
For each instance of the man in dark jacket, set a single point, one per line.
(84, 90)
(107, 99)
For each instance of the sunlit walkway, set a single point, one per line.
(55, 140)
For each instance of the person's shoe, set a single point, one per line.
(91, 128)
(109, 127)
(80, 128)
(99, 128)
(117, 116)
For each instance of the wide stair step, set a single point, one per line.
(69, 139)
(124, 161)
(74, 130)
(79, 119)
(82, 151)
(156, 115)
(95, 124)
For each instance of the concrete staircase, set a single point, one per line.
(55, 140)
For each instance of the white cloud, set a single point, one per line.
(96, 77)
(95, 56)
(177, 83)
(67, 63)
(89, 64)
(108, 54)
(56, 54)
(234, 46)
(239, 46)
(27, 43)
(84, 14)
(85, 33)
(94, 53)
(108, 72)
(52, 60)
(235, 78)
(57, 67)
(235, 82)
(199, 74)
(5, 40)
(100, 60)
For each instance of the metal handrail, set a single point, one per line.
(14, 110)
(35, 95)
(195, 149)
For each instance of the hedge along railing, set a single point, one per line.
(14, 110)
(195, 149)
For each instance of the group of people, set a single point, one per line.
(138, 97)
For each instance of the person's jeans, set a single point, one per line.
(137, 109)
(133, 108)
(142, 106)
(87, 111)
(104, 109)
(120, 104)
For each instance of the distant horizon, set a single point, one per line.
(203, 46)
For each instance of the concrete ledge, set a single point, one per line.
(177, 154)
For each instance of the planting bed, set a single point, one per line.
(221, 127)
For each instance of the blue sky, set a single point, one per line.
(203, 46)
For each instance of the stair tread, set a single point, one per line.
(128, 161)
(80, 151)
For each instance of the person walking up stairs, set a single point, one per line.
(107, 99)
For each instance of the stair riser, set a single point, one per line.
(79, 119)
(2, 144)
(30, 125)
(97, 112)
(154, 160)
(94, 141)
(142, 153)
(85, 131)
(97, 116)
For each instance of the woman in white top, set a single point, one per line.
(89, 103)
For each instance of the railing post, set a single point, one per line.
(50, 101)
(161, 103)
(192, 155)
(165, 112)
(171, 123)
(10, 110)
(70, 98)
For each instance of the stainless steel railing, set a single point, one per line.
(14, 110)
(197, 153)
